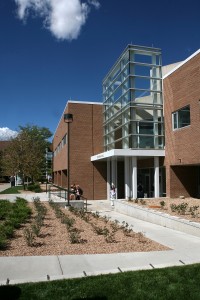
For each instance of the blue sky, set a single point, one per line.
(55, 50)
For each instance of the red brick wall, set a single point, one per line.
(100, 175)
(183, 181)
(182, 88)
(86, 139)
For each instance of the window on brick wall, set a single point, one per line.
(181, 118)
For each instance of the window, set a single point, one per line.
(64, 141)
(181, 117)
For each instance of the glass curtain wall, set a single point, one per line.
(132, 98)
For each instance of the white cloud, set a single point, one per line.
(95, 3)
(64, 18)
(6, 134)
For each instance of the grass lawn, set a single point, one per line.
(169, 283)
(13, 190)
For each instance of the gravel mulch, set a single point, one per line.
(155, 204)
(54, 238)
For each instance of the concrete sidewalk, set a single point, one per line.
(4, 186)
(185, 250)
(26, 195)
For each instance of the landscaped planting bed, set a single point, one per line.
(12, 216)
(52, 230)
(188, 208)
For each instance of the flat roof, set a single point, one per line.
(78, 102)
(131, 47)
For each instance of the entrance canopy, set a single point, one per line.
(128, 153)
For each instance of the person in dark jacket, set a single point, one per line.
(79, 192)
(12, 180)
(140, 191)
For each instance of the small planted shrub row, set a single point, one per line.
(34, 231)
(138, 201)
(184, 208)
(110, 228)
(17, 214)
(74, 233)
(89, 218)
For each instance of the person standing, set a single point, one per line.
(72, 192)
(12, 180)
(113, 191)
(140, 191)
(79, 192)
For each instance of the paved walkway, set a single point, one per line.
(4, 186)
(185, 250)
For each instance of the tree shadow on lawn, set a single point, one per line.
(10, 292)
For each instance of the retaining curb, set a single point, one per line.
(157, 217)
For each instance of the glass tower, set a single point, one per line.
(132, 101)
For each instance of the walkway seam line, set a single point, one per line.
(181, 261)
(60, 264)
(152, 266)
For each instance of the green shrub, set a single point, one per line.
(36, 229)
(39, 220)
(13, 215)
(182, 208)
(7, 229)
(38, 190)
(34, 188)
(74, 236)
(162, 204)
(194, 210)
(3, 241)
(5, 208)
(29, 237)
(69, 222)
(14, 221)
(173, 207)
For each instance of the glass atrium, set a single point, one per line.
(132, 101)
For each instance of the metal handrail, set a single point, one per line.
(60, 189)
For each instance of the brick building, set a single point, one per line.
(86, 139)
(122, 140)
(182, 128)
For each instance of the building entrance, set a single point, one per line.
(146, 178)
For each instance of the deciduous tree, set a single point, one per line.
(26, 153)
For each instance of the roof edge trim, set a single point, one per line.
(182, 63)
(84, 102)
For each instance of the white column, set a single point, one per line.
(114, 173)
(127, 177)
(156, 177)
(125, 130)
(134, 177)
(108, 178)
